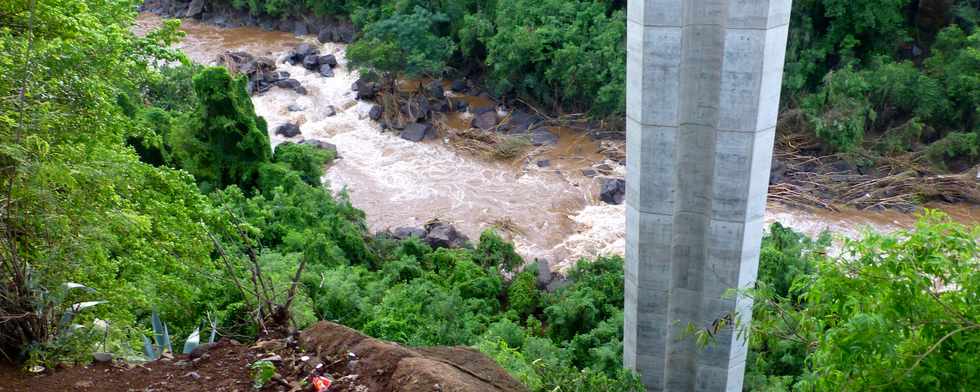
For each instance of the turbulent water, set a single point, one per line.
(553, 212)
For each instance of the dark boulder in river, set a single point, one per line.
(326, 71)
(404, 233)
(339, 32)
(416, 132)
(291, 84)
(195, 8)
(273, 77)
(458, 86)
(485, 121)
(543, 137)
(327, 59)
(311, 62)
(321, 145)
(288, 130)
(435, 90)
(521, 122)
(300, 53)
(444, 235)
(376, 112)
(613, 190)
(365, 89)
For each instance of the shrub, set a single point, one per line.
(304, 159)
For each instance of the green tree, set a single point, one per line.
(225, 143)
(403, 44)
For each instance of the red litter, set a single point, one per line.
(320, 383)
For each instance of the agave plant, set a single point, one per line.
(161, 338)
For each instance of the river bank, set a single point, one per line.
(551, 211)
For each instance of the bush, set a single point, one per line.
(493, 251)
(523, 294)
(307, 160)
(896, 311)
(403, 44)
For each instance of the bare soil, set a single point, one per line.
(355, 362)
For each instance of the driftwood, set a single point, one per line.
(900, 182)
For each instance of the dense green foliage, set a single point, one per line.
(156, 186)
(885, 76)
(404, 44)
(78, 205)
(178, 230)
(224, 142)
(895, 312)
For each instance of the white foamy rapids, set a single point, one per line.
(601, 230)
(400, 183)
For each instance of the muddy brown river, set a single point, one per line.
(554, 211)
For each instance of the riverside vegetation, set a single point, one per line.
(874, 79)
(152, 182)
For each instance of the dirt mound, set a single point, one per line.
(355, 362)
(383, 366)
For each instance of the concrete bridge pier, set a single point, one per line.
(703, 85)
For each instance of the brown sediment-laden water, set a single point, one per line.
(553, 212)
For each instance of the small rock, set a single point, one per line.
(613, 190)
(589, 173)
(291, 84)
(326, 71)
(325, 35)
(521, 121)
(485, 121)
(458, 86)
(404, 233)
(442, 106)
(543, 137)
(84, 384)
(193, 375)
(365, 89)
(300, 52)
(288, 130)
(416, 132)
(435, 90)
(330, 111)
(300, 29)
(327, 59)
(444, 235)
(311, 62)
(272, 358)
(294, 108)
(276, 76)
(200, 351)
(196, 8)
(376, 112)
(102, 357)
(544, 163)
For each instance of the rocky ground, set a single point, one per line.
(353, 361)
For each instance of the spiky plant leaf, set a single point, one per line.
(157, 328)
(166, 340)
(192, 341)
(148, 350)
(72, 285)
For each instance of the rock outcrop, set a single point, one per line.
(383, 366)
